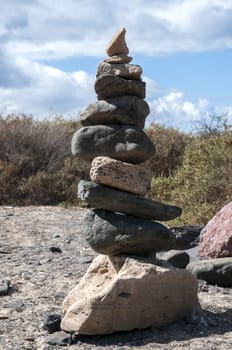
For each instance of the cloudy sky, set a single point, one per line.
(49, 51)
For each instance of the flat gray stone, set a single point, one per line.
(124, 202)
(213, 271)
(113, 233)
(123, 142)
(123, 109)
(107, 86)
(127, 71)
(177, 258)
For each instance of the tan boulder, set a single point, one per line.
(117, 174)
(118, 44)
(122, 58)
(123, 293)
(127, 71)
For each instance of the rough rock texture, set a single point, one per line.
(127, 71)
(123, 142)
(113, 233)
(107, 86)
(121, 58)
(187, 236)
(124, 293)
(41, 279)
(118, 45)
(177, 258)
(120, 201)
(214, 271)
(124, 176)
(216, 237)
(123, 109)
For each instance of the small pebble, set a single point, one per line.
(59, 338)
(55, 249)
(52, 323)
(4, 287)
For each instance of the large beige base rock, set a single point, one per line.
(122, 293)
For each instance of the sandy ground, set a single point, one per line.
(40, 278)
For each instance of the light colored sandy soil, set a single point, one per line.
(40, 280)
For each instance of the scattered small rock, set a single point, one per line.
(59, 338)
(52, 323)
(55, 249)
(4, 287)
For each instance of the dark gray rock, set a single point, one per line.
(113, 233)
(123, 142)
(187, 236)
(4, 287)
(177, 258)
(107, 86)
(52, 323)
(123, 109)
(59, 338)
(104, 197)
(213, 271)
(55, 249)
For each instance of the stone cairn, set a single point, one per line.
(125, 287)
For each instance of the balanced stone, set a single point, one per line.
(123, 109)
(121, 58)
(213, 271)
(123, 142)
(124, 202)
(113, 233)
(124, 176)
(127, 71)
(123, 293)
(107, 86)
(118, 44)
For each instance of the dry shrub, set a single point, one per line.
(170, 145)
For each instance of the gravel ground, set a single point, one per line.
(43, 255)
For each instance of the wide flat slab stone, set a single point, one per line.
(123, 176)
(213, 271)
(123, 109)
(123, 293)
(107, 86)
(123, 142)
(127, 71)
(113, 233)
(216, 236)
(104, 197)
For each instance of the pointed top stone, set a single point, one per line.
(117, 45)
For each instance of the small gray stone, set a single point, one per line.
(59, 338)
(213, 271)
(107, 86)
(4, 287)
(127, 71)
(104, 197)
(123, 109)
(52, 323)
(112, 234)
(187, 236)
(123, 142)
(177, 258)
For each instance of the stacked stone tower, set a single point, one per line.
(124, 287)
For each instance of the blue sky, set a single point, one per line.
(49, 52)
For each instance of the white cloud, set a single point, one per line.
(174, 110)
(46, 90)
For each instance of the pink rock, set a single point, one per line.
(216, 237)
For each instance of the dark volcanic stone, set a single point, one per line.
(123, 142)
(59, 338)
(177, 258)
(111, 85)
(124, 202)
(187, 236)
(213, 271)
(55, 249)
(110, 233)
(4, 287)
(52, 323)
(123, 109)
